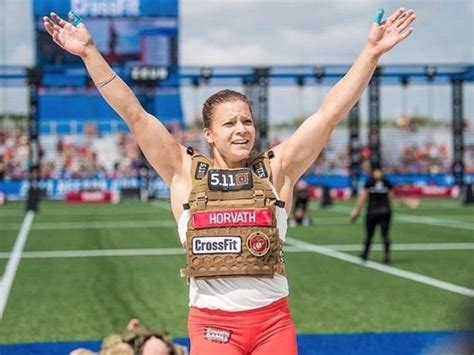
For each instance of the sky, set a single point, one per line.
(271, 32)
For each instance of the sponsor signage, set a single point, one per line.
(92, 197)
(201, 170)
(217, 335)
(58, 188)
(232, 218)
(217, 245)
(260, 170)
(113, 8)
(230, 180)
(258, 244)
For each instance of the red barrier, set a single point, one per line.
(425, 191)
(337, 194)
(399, 190)
(92, 197)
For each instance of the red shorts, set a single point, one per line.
(261, 331)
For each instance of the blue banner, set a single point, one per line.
(57, 188)
(343, 181)
(107, 8)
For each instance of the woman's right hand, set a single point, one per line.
(75, 39)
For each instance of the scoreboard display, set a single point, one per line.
(138, 38)
(125, 31)
(146, 41)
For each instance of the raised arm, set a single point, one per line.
(162, 151)
(303, 147)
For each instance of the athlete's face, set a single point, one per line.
(232, 131)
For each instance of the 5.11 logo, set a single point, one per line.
(230, 180)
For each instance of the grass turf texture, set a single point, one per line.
(90, 297)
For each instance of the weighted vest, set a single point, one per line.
(232, 230)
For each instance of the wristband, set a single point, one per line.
(105, 82)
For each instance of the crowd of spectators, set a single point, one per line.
(14, 153)
(72, 157)
(77, 157)
(428, 158)
(129, 160)
(424, 158)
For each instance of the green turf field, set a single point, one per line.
(86, 269)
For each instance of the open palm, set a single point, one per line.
(73, 39)
(395, 29)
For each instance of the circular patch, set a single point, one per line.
(258, 243)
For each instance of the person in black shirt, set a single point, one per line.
(377, 191)
(300, 212)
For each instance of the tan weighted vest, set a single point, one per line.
(232, 230)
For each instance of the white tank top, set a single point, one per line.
(236, 293)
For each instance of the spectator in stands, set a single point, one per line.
(3, 169)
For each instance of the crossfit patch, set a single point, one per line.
(260, 170)
(230, 180)
(201, 170)
(232, 218)
(258, 243)
(217, 245)
(217, 335)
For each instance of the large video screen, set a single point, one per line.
(141, 40)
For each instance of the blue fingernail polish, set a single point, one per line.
(74, 19)
(378, 16)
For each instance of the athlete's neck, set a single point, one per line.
(220, 162)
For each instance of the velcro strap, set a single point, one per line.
(259, 196)
(201, 200)
(280, 203)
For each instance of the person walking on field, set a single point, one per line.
(377, 191)
(229, 207)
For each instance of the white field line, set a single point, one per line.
(71, 212)
(436, 222)
(165, 222)
(404, 246)
(441, 222)
(12, 265)
(110, 252)
(179, 251)
(95, 225)
(383, 268)
(170, 223)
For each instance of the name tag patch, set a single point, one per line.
(230, 180)
(232, 218)
(217, 245)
